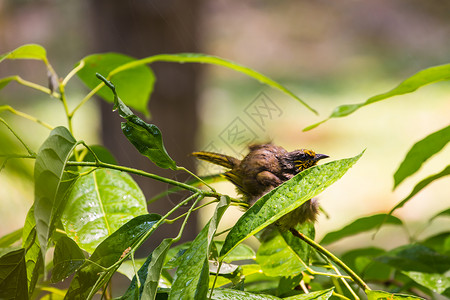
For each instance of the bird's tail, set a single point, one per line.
(218, 159)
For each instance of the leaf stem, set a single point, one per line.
(188, 212)
(73, 72)
(332, 257)
(25, 116)
(30, 152)
(196, 177)
(100, 164)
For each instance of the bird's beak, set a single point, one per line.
(320, 156)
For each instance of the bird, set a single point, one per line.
(265, 167)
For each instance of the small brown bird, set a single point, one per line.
(265, 167)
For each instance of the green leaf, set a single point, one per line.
(444, 213)
(33, 257)
(317, 295)
(192, 276)
(213, 60)
(285, 198)
(13, 275)
(226, 294)
(67, 258)
(422, 184)
(51, 183)
(102, 153)
(435, 282)
(381, 295)
(241, 252)
(275, 256)
(420, 153)
(416, 257)
(11, 238)
(134, 85)
(90, 277)
(439, 242)
(299, 247)
(360, 225)
(362, 262)
(149, 274)
(30, 51)
(99, 204)
(145, 137)
(411, 84)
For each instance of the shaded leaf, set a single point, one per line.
(241, 252)
(67, 258)
(213, 60)
(275, 256)
(149, 274)
(135, 85)
(421, 78)
(416, 257)
(33, 257)
(299, 247)
(285, 198)
(51, 182)
(420, 153)
(226, 294)
(100, 203)
(317, 295)
(145, 137)
(192, 276)
(102, 153)
(380, 295)
(360, 225)
(11, 238)
(90, 277)
(439, 242)
(29, 51)
(362, 262)
(435, 282)
(13, 275)
(422, 184)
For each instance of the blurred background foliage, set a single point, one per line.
(329, 53)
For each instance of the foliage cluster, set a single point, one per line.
(88, 209)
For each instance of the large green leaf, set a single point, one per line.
(417, 258)
(275, 256)
(360, 225)
(435, 282)
(99, 204)
(13, 275)
(33, 257)
(421, 78)
(192, 276)
(241, 252)
(29, 51)
(381, 295)
(213, 60)
(134, 85)
(145, 137)
(51, 183)
(149, 274)
(92, 275)
(285, 198)
(421, 185)
(67, 258)
(420, 153)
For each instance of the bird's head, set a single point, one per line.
(303, 159)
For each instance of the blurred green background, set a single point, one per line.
(329, 53)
